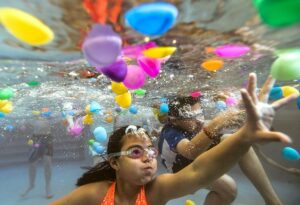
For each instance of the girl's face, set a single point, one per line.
(140, 166)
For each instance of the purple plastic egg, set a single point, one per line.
(102, 46)
(116, 71)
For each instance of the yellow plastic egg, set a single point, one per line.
(189, 202)
(118, 88)
(30, 142)
(35, 112)
(88, 120)
(3, 102)
(159, 52)
(289, 90)
(7, 108)
(87, 109)
(25, 27)
(124, 100)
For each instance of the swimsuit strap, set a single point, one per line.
(109, 198)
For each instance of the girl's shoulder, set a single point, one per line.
(94, 192)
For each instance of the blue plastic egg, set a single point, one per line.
(2, 115)
(290, 153)
(221, 105)
(97, 147)
(153, 19)
(276, 93)
(298, 103)
(118, 109)
(46, 114)
(133, 109)
(95, 107)
(164, 108)
(100, 134)
(9, 128)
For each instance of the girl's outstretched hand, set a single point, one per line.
(260, 115)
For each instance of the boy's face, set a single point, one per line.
(192, 120)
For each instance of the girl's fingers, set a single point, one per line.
(277, 104)
(273, 136)
(252, 85)
(249, 105)
(265, 91)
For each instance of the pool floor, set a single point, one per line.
(14, 180)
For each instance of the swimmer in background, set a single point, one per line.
(185, 137)
(128, 174)
(42, 148)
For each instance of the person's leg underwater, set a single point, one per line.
(223, 191)
(48, 174)
(32, 176)
(253, 169)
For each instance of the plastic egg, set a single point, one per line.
(276, 93)
(289, 90)
(133, 109)
(151, 66)
(189, 202)
(231, 51)
(212, 65)
(109, 119)
(123, 100)
(164, 108)
(153, 19)
(278, 13)
(116, 71)
(231, 101)
(118, 88)
(196, 94)
(25, 27)
(290, 153)
(221, 105)
(30, 142)
(102, 46)
(88, 119)
(6, 93)
(97, 147)
(7, 108)
(100, 134)
(159, 52)
(286, 67)
(135, 77)
(95, 107)
(91, 141)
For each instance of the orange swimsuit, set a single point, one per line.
(109, 198)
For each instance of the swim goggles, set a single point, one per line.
(137, 152)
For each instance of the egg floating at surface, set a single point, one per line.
(153, 19)
(25, 27)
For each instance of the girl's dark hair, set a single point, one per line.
(103, 171)
(178, 102)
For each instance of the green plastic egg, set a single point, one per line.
(286, 67)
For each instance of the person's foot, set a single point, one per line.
(49, 196)
(27, 191)
(48, 192)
